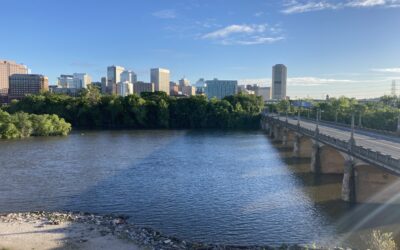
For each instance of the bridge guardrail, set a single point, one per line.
(360, 152)
(378, 131)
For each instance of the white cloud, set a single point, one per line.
(301, 81)
(232, 29)
(165, 14)
(296, 7)
(387, 70)
(366, 3)
(245, 34)
(301, 6)
(315, 81)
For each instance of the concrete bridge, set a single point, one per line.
(369, 161)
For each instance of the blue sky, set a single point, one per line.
(336, 47)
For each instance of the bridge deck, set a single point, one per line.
(386, 144)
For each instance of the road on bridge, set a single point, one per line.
(386, 144)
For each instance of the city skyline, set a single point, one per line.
(331, 47)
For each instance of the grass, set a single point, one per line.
(381, 241)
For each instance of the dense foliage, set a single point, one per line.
(381, 114)
(21, 125)
(151, 110)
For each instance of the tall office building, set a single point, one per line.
(160, 78)
(66, 82)
(264, 92)
(188, 90)
(128, 76)
(140, 87)
(25, 84)
(113, 77)
(75, 81)
(279, 78)
(82, 80)
(7, 69)
(221, 88)
(104, 85)
(124, 88)
(184, 82)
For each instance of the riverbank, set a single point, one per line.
(44, 230)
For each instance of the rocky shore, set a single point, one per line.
(111, 226)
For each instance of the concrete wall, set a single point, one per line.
(289, 138)
(303, 147)
(331, 160)
(374, 185)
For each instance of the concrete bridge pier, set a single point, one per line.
(278, 133)
(302, 146)
(288, 138)
(375, 185)
(348, 183)
(315, 158)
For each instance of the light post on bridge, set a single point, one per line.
(298, 118)
(287, 116)
(398, 125)
(317, 127)
(352, 140)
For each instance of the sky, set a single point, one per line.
(334, 47)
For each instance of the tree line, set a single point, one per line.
(22, 125)
(381, 114)
(148, 111)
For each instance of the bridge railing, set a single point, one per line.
(360, 152)
(365, 129)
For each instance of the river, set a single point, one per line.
(210, 186)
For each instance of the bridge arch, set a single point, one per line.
(332, 161)
(375, 185)
(303, 146)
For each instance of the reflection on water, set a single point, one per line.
(212, 186)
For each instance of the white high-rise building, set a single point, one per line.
(75, 81)
(128, 76)
(264, 92)
(124, 88)
(82, 80)
(113, 77)
(279, 82)
(66, 82)
(221, 88)
(160, 78)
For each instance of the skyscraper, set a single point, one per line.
(82, 80)
(221, 88)
(113, 77)
(279, 78)
(7, 69)
(124, 88)
(160, 78)
(24, 84)
(75, 81)
(184, 82)
(140, 87)
(128, 76)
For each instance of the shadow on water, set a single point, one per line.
(226, 187)
(354, 222)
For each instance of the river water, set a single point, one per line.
(210, 186)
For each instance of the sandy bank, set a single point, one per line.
(20, 235)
